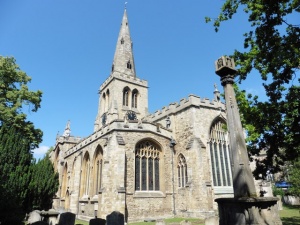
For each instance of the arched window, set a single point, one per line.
(220, 155)
(112, 68)
(98, 165)
(122, 41)
(107, 99)
(103, 102)
(182, 171)
(56, 159)
(125, 96)
(85, 179)
(134, 98)
(129, 65)
(147, 158)
(64, 181)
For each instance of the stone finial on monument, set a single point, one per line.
(115, 218)
(66, 218)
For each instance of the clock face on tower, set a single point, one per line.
(130, 115)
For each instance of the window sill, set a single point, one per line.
(148, 194)
(223, 190)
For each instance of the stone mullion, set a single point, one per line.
(214, 170)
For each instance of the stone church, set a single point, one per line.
(173, 162)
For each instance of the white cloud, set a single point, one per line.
(40, 151)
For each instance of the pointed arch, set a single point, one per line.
(182, 170)
(97, 167)
(103, 102)
(147, 166)
(126, 92)
(64, 181)
(220, 154)
(134, 98)
(56, 159)
(107, 99)
(85, 176)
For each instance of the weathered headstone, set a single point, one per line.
(185, 222)
(67, 218)
(160, 222)
(214, 220)
(97, 221)
(115, 218)
(34, 216)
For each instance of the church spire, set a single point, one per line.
(123, 59)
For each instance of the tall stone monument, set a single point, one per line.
(245, 207)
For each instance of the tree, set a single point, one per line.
(17, 139)
(294, 175)
(44, 184)
(271, 47)
(15, 162)
(14, 96)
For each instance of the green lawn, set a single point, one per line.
(290, 215)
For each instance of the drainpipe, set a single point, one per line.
(172, 146)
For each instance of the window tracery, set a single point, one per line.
(182, 171)
(220, 155)
(147, 160)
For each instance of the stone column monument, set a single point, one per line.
(245, 207)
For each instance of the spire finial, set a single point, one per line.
(126, 5)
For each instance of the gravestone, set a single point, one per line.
(185, 222)
(97, 221)
(115, 218)
(160, 222)
(34, 216)
(214, 220)
(66, 218)
(39, 223)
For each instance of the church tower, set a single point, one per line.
(123, 95)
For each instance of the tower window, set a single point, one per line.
(134, 99)
(122, 41)
(125, 96)
(129, 65)
(112, 68)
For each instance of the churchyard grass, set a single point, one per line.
(290, 215)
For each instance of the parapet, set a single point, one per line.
(124, 77)
(184, 103)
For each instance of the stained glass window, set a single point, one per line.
(147, 166)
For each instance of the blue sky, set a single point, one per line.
(67, 48)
